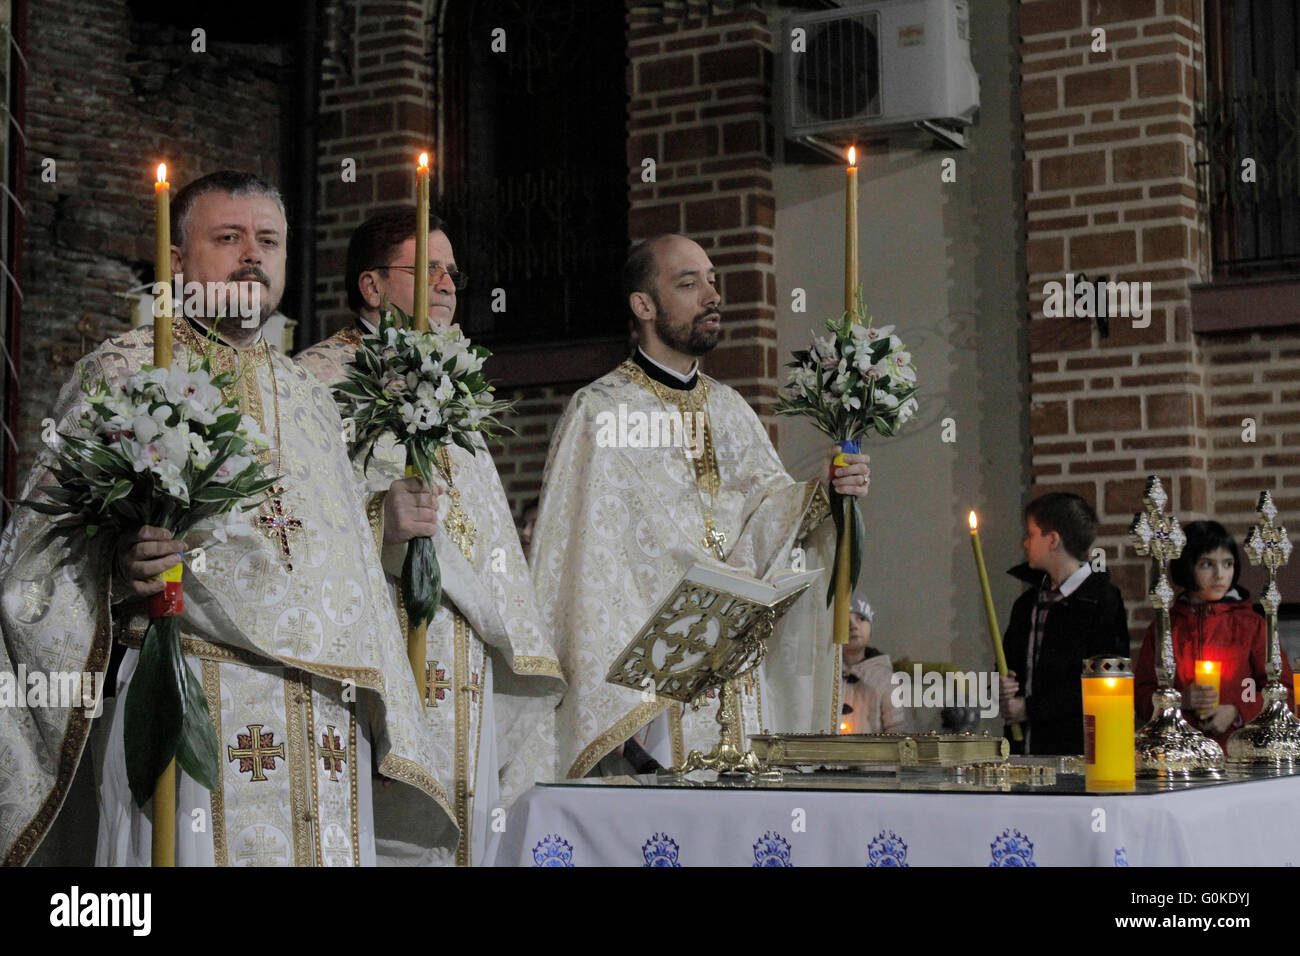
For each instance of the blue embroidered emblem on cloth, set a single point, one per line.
(553, 851)
(772, 849)
(660, 850)
(887, 849)
(1012, 848)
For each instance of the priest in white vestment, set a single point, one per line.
(626, 510)
(491, 673)
(293, 636)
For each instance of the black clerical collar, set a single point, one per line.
(658, 373)
(364, 329)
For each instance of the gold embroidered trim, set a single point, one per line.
(367, 677)
(211, 671)
(816, 508)
(464, 703)
(537, 666)
(631, 722)
(302, 773)
(349, 337)
(352, 779)
(375, 515)
(74, 734)
(410, 772)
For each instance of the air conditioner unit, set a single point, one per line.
(887, 65)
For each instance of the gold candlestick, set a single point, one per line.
(1271, 742)
(1168, 747)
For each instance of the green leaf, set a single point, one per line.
(857, 544)
(421, 581)
(153, 709)
(198, 752)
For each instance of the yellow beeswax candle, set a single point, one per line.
(1208, 673)
(1108, 749)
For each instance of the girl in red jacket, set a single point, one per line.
(1212, 620)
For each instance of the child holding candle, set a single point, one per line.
(1070, 614)
(1212, 620)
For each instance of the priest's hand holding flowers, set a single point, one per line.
(151, 458)
(854, 380)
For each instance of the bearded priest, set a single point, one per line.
(624, 516)
(490, 672)
(287, 625)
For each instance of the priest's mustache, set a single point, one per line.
(708, 315)
(250, 272)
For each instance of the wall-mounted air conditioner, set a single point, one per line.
(877, 67)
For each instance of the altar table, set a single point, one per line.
(845, 820)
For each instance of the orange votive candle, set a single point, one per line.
(1108, 724)
(1208, 673)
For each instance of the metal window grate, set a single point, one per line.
(1251, 129)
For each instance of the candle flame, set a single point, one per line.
(1110, 682)
(974, 521)
(424, 160)
(1207, 666)
(162, 172)
(844, 727)
(853, 156)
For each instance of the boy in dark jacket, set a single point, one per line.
(1072, 613)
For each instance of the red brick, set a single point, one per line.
(1094, 467)
(1119, 11)
(1155, 161)
(737, 63)
(1173, 410)
(1102, 249)
(737, 361)
(1072, 171)
(668, 73)
(1112, 85)
(1124, 497)
(696, 142)
(760, 210)
(646, 221)
(1060, 448)
(1059, 335)
(742, 137)
(1050, 16)
(1157, 441)
(1108, 196)
(1049, 418)
(1159, 79)
(1164, 242)
(1039, 95)
(746, 286)
(1118, 413)
(1045, 256)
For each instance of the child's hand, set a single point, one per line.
(1008, 686)
(1202, 698)
(1220, 719)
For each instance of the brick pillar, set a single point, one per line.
(1111, 189)
(375, 110)
(700, 98)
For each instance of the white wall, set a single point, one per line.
(942, 262)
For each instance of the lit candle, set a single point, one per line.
(1295, 683)
(1108, 749)
(990, 617)
(851, 237)
(421, 316)
(162, 270)
(1208, 672)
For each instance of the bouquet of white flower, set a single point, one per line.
(163, 448)
(855, 380)
(428, 389)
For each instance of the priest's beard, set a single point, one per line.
(244, 329)
(695, 340)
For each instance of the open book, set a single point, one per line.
(710, 629)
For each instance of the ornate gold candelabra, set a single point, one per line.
(1168, 747)
(1271, 742)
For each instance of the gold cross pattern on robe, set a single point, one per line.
(332, 752)
(279, 524)
(475, 685)
(257, 752)
(436, 684)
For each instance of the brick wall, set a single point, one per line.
(107, 100)
(699, 84)
(375, 110)
(1111, 189)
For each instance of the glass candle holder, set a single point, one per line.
(1108, 724)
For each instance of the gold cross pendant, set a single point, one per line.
(278, 524)
(714, 540)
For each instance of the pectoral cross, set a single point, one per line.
(278, 524)
(714, 540)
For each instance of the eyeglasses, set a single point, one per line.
(459, 279)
